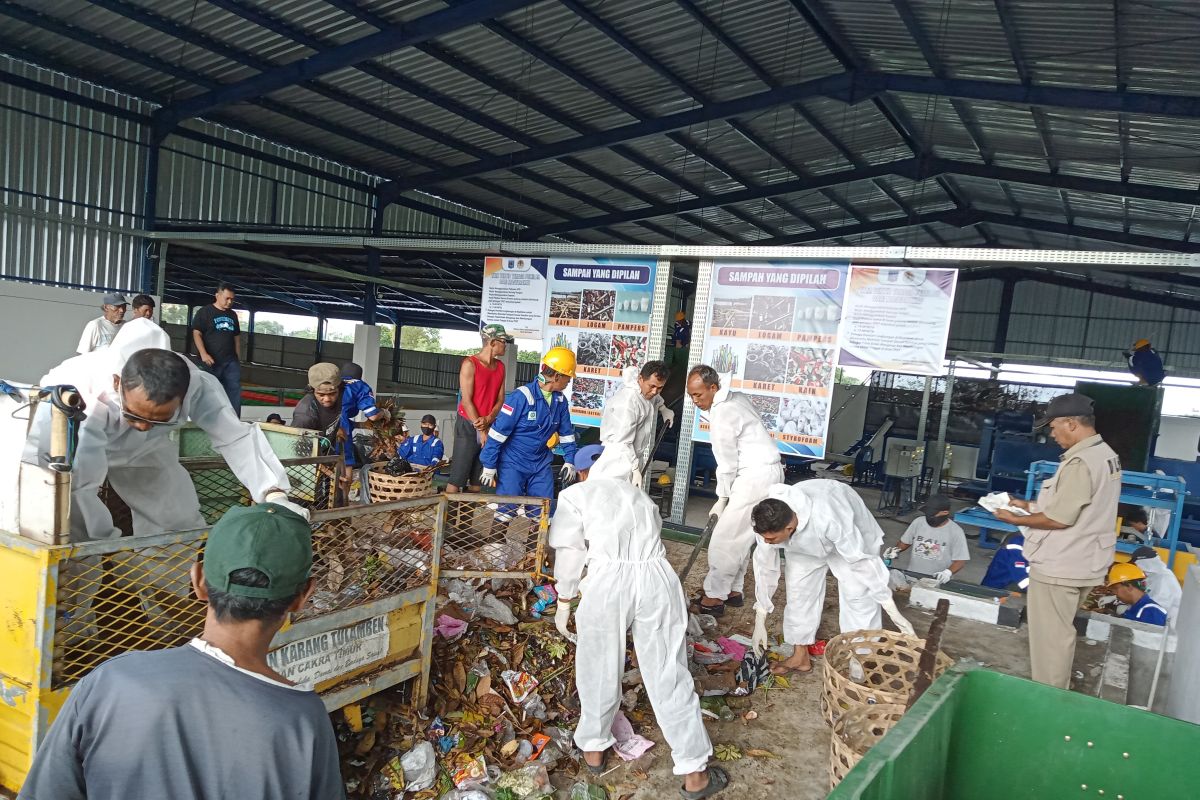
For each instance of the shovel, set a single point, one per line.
(700, 543)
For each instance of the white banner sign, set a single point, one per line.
(327, 655)
(897, 319)
(514, 295)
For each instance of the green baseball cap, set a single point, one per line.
(496, 331)
(265, 537)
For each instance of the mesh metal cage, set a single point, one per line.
(134, 593)
(313, 481)
(491, 537)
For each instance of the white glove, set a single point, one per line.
(562, 615)
(278, 498)
(943, 576)
(568, 473)
(893, 613)
(668, 416)
(760, 632)
(891, 554)
(718, 507)
(487, 477)
(636, 477)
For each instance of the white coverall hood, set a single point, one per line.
(615, 529)
(627, 426)
(1162, 585)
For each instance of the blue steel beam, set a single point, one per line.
(389, 40)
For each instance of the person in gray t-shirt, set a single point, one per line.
(209, 720)
(938, 545)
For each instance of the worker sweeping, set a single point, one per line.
(748, 465)
(823, 526)
(136, 393)
(517, 455)
(1145, 363)
(627, 423)
(616, 530)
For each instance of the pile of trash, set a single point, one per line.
(502, 706)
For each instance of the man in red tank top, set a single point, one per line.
(481, 393)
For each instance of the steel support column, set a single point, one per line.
(150, 208)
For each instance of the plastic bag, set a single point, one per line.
(520, 684)
(529, 782)
(587, 791)
(420, 767)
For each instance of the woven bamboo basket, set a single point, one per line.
(889, 662)
(383, 487)
(857, 731)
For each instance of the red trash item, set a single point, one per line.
(817, 648)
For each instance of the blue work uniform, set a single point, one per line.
(682, 334)
(1148, 611)
(1148, 366)
(422, 452)
(357, 397)
(1009, 566)
(517, 442)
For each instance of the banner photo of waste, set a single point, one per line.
(773, 335)
(514, 295)
(897, 319)
(600, 309)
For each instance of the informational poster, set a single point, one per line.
(600, 309)
(332, 653)
(773, 335)
(514, 295)
(898, 319)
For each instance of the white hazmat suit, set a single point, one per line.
(627, 426)
(143, 466)
(835, 532)
(748, 464)
(615, 529)
(1162, 586)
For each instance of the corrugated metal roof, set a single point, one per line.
(554, 72)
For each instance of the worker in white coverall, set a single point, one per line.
(1161, 583)
(627, 424)
(614, 529)
(748, 465)
(823, 526)
(136, 392)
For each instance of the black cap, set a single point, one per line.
(430, 418)
(352, 371)
(1067, 405)
(1143, 552)
(936, 504)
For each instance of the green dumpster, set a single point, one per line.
(982, 735)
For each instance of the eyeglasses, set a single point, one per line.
(131, 417)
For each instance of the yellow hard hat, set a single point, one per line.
(1120, 573)
(561, 360)
(664, 480)
(1140, 343)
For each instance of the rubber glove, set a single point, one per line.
(943, 576)
(487, 477)
(718, 507)
(562, 615)
(891, 554)
(893, 613)
(668, 416)
(383, 415)
(636, 477)
(760, 631)
(568, 473)
(280, 498)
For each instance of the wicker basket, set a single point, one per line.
(383, 487)
(889, 662)
(856, 732)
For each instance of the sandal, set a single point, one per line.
(735, 599)
(718, 781)
(784, 672)
(698, 607)
(600, 770)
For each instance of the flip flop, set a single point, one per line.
(786, 671)
(735, 599)
(718, 781)
(697, 607)
(600, 770)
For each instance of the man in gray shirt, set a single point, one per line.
(209, 720)
(938, 545)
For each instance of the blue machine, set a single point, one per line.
(1137, 488)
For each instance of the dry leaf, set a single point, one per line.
(756, 753)
(460, 676)
(781, 682)
(484, 686)
(518, 654)
(641, 774)
(366, 743)
(727, 752)
(510, 748)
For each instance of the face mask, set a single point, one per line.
(427, 431)
(935, 520)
